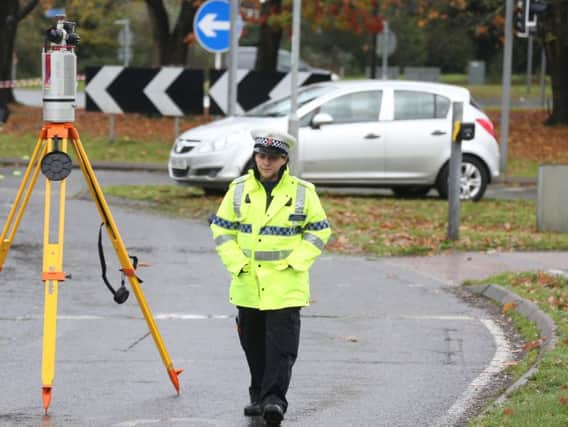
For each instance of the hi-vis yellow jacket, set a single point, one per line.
(269, 252)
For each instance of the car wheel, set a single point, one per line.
(473, 179)
(411, 192)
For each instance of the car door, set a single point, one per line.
(349, 149)
(417, 137)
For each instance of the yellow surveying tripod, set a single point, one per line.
(50, 156)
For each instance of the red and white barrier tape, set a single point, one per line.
(27, 82)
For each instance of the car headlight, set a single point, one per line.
(178, 146)
(216, 144)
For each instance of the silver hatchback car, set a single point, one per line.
(373, 133)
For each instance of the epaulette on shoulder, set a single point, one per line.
(305, 183)
(240, 179)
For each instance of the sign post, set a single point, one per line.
(455, 172)
(386, 45)
(506, 95)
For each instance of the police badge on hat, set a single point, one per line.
(272, 142)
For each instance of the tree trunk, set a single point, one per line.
(10, 14)
(184, 26)
(556, 46)
(172, 48)
(269, 38)
(8, 23)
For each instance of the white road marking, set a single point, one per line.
(168, 421)
(502, 355)
(438, 317)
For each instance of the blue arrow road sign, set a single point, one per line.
(212, 24)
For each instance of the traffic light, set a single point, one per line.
(520, 18)
(536, 8)
(526, 16)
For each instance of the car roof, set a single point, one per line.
(441, 88)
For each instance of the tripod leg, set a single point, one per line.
(52, 275)
(22, 197)
(122, 255)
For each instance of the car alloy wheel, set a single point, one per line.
(473, 179)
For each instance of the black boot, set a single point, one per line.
(254, 408)
(273, 414)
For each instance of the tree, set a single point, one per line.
(11, 13)
(275, 18)
(553, 31)
(172, 46)
(269, 36)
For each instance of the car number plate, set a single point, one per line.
(178, 164)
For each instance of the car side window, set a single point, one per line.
(412, 105)
(354, 107)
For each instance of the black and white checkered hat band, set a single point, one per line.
(271, 143)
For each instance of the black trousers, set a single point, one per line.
(270, 340)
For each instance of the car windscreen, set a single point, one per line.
(281, 107)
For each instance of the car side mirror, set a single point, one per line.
(467, 132)
(321, 119)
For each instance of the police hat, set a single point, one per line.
(272, 142)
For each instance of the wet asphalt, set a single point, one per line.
(384, 342)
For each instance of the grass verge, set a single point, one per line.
(124, 149)
(388, 226)
(543, 400)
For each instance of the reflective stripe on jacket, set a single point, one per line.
(269, 252)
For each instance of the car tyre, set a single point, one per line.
(415, 192)
(473, 180)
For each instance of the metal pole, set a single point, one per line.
(542, 77)
(374, 45)
(234, 42)
(128, 42)
(385, 57)
(176, 126)
(111, 133)
(529, 63)
(455, 175)
(506, 96)
(124, 40)
(293, 121)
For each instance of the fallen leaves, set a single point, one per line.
(531, 345)
(508, 307)
(26, 119)
(529, 139)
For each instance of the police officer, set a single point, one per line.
(268, 231)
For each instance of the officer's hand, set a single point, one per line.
(244, 269)
(281, 266)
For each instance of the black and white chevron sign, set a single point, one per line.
(166, 91)
(254, 88)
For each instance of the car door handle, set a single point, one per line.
(438, 133)
(372, 136)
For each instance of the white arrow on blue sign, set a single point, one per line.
(212, 24)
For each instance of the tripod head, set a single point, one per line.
(59, 72)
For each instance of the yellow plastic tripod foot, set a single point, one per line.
(174, 373)
(46, 395)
